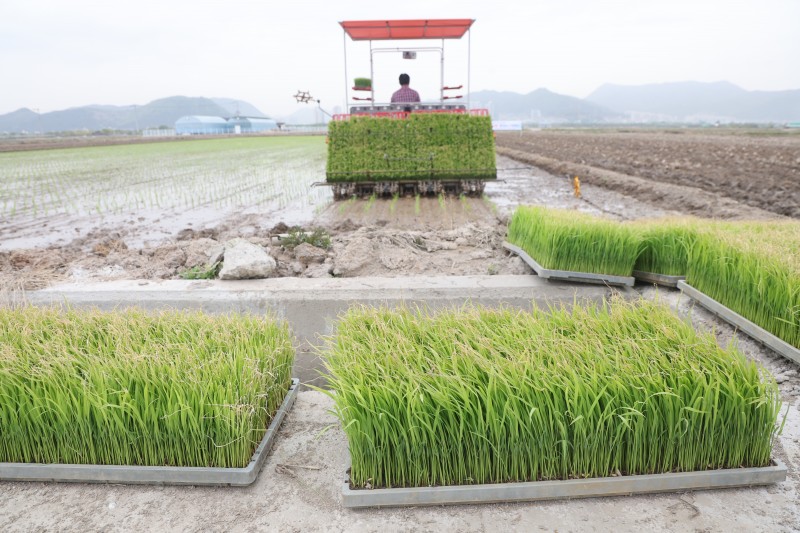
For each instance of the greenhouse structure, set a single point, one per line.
(208, 125)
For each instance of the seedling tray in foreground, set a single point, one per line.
(658, 279)
(160, 475)
(735, 319)
(568, 275)
(564, 489)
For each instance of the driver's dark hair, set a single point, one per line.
(405, 79)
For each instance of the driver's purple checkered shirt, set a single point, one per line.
(405, 94)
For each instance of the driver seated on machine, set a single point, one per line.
(405, 94)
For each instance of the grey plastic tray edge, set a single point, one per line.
(757, 332)
(659, 279)
(564, 489)
(568, 275)
(159, 475)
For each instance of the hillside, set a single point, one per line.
(692, 101)
(541, 104)
(162, 112)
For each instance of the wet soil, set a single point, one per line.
(761, 171)
(624, 176)
(299, 487)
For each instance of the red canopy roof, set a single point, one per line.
(380, 30)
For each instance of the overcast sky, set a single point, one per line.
(56, 54)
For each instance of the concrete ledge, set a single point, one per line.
(569, 275)
(566, 489)
(733, 318)
(658, 279)
(311, 306)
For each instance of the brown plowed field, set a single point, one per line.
(760, 170)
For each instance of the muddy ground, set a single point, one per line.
(299, 489)
(758, 170)
(624, 175)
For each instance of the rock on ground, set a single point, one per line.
(203, 252)
(245, 260)
(308, 253)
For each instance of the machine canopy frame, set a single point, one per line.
(386, 30)
(410, 29)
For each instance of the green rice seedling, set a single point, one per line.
(466, 206)
(346, 205)
(753, 268)
(478, 395)
(417, 207)
(393, 203)
(492, 206)
(370, 203)
(132, 388)
(442, 202)
(664, 245)
(570, 240)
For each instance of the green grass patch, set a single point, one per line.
(132, 388)
(570, 240)
(423, 146)
(492, 396)
(202, 272)
(753, 268)
(318, 237)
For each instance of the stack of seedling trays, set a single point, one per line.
(479, 405)
(572, 246)
(421, 147)
(132, 397)
(664, 247)
(749, 275)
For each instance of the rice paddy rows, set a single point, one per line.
(217, 173)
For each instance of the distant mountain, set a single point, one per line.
(238, 107)
(163, 112)
(692, 101)
(540, 104)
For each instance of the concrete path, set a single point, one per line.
(311, 306)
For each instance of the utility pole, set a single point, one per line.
(136, 115)
(38, 119)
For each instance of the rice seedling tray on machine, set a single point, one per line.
(158, 475)
(568, 275)
(563, 489)
(658, 279)
(735, 319)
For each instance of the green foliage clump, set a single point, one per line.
(665, 245)
(297, 236)
(569, 240)
(363, 82)
(753, 268)
(132, 388)
(202, 272)
(420, 147)
(491, 396)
